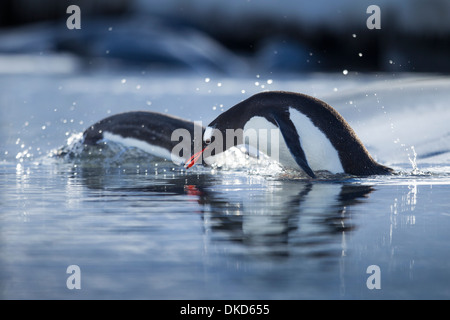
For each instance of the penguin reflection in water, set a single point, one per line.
(299, 131)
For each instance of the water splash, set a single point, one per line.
(412, 160)
(73, 147)
(238, 159)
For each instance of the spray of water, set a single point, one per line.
(412, 160)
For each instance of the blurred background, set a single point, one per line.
(232, 37)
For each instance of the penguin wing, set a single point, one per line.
(292, 140)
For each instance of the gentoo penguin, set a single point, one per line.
(300, 131)
(155, 133)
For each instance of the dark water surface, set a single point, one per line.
(163, 233)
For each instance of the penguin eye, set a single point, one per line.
(207, 136)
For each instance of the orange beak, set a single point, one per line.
(192, 160)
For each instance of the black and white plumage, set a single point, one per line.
(148, 131)
(312, 135)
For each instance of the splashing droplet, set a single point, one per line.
(415, 169)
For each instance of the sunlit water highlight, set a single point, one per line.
(139, 227)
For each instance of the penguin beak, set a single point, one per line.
(207, 136)
(192, 160)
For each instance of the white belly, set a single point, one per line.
(262, 136)
(143, 145)
(319, 152)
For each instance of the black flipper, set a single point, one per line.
(292, 139)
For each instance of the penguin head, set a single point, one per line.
(227, 130)
(213, 143)
(216, 139)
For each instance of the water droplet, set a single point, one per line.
(123, 81)
(207, 80)
(345, 72)
(413, 161)
(270, 81)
